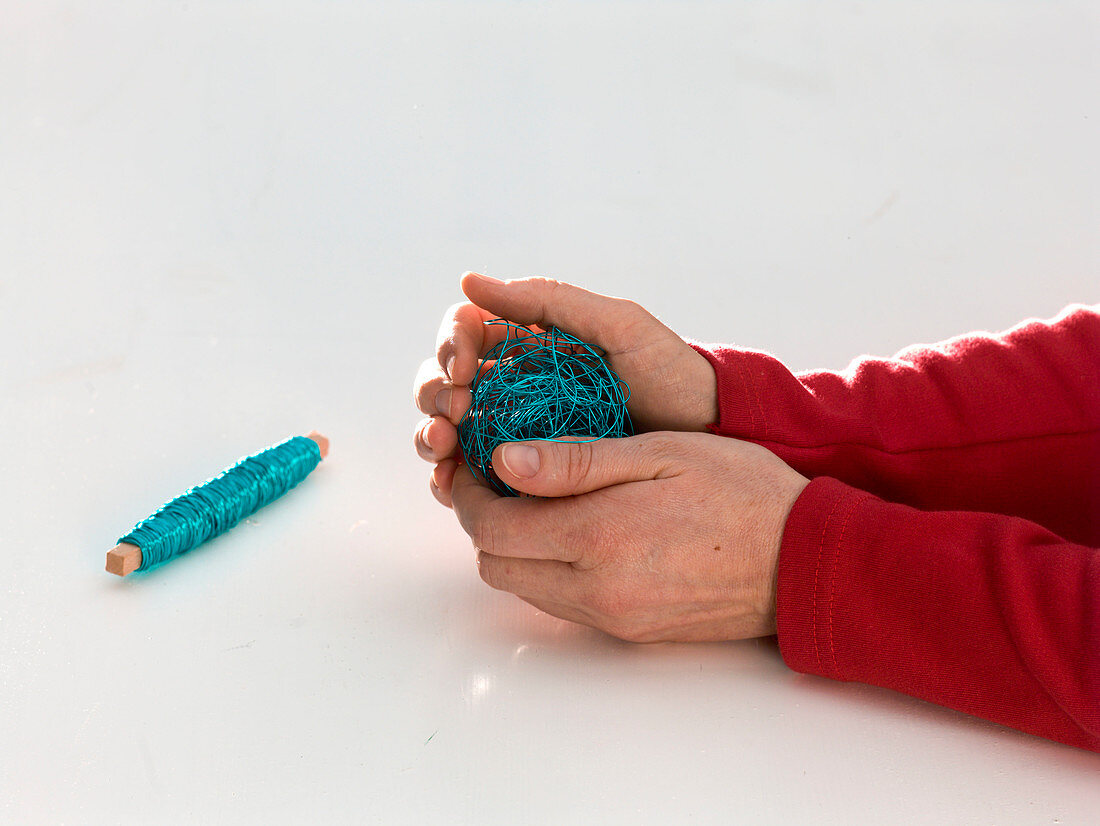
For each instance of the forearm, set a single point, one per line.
(1007, 423)
(990, 615)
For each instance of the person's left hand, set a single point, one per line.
(662, 536)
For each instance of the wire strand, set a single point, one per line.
(548, 386)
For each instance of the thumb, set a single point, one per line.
(544, 468)
(594, 318)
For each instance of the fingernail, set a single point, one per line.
(521, 461)
(451, 368)
(443, 401)
(488, 279)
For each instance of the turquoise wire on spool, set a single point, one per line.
(218, 504)
(549, 386)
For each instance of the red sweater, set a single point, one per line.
(949, 543)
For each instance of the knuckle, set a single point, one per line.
(544, 292)
(544, 284)
(436, 492)
(482, 562)
(633, 324)
(490, 570)
(659, 442)
(593, 540)
(662, 444)
(577, 533)
(628, 309)
(451, 319)
(485, 569)
(425, 374)
(447, 325)
(486, 533)
(481, 534)
(445, 338)
(578, 461)
(422, 450)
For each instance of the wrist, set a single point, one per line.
(703, 406)
(790, 489)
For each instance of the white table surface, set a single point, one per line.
(222, 224)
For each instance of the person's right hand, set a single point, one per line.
(672, 387)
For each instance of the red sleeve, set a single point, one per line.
(991, 615)
(987, 599)
(1005, 423)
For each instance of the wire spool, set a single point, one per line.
(215, 506)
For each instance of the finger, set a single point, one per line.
(420, 442)
(429, 381)
(459, 341)
(436, 396)
(547, 468)
(520, 527)
(441, 480)
(597, 319)
(546, 580)
(463, 339)
(436, 439)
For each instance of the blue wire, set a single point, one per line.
(549, 386)
(218, 504)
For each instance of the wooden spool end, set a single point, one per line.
(123, 559)
(321, 441)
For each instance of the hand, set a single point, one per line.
(663, 536)
(672, 387)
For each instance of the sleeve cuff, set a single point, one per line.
(808, 559)
(740, 412)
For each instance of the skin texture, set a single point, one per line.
(673, 534)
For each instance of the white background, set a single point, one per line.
(222, 224)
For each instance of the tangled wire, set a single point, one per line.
(549, 386)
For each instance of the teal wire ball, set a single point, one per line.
(549, 386)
